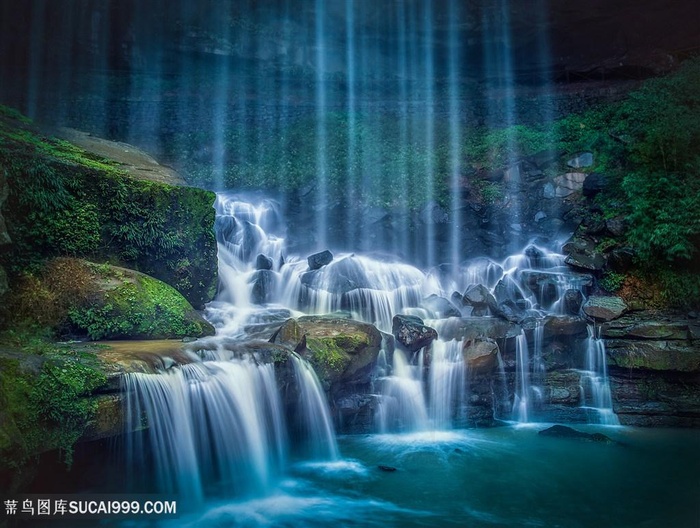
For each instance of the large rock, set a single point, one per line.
(441, 307)
(410, 331)
(569, 183)
(480, 355)
(264, 284)
(118, 303)
(137, 163)
(587, 261)
(341, 277)
(480, 299)
(661, 355)
(318, 260)
(631, 327)
(562, 431)
(565, 325)
(581, 253)
(573, 299)
(477, 327)
(604, 308)
(263, 262)
(510, 311)
(342, 351)
(594, 184)
(133, 212)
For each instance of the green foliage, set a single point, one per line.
(66, 202)
(45, 407)
(612, 281)
(679, 288)
(328, 356)
(143, 307)
(491, 192)
(496, 148)
(649, 146)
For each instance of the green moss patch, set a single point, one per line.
(128, 304)
(65, 201)
(44, 401)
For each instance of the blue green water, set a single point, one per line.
(505, 476)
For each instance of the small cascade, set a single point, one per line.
(220, 422)
(538, 367)
(522, 402)
(595, 385)
(447, 383)
(403, 405)
(319, 436)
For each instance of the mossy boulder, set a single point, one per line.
(123, 304)
(71, 298)
(45, 401)
(65, 201)
(342, 351)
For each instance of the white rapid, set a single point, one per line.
(595, 385)
(262, 285)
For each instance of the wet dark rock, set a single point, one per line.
(264, 282)
(341, 277)
(410, 331)
(604, 308)
(263, 262)
(544, 285)
(478, 327)
(590, 261)
(621, 259)
(594, 184)
(573, 299)
(640, 328)
(511, 311)
(480, 299)
(457, 299)
(594, 225)
(562, 431)
(661, 356)
(441, 307)
(565, 325)
(545, 158)
(318, 260)
(615, 226)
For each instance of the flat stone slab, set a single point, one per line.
(604, 308)
(133, 160)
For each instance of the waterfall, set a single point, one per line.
(403, 406)
(222, 421)
(447, 382)
(522, 404)
(595, 386)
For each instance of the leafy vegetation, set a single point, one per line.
(66, 202)
(139, 306)
(70, 297)
(43, 401)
